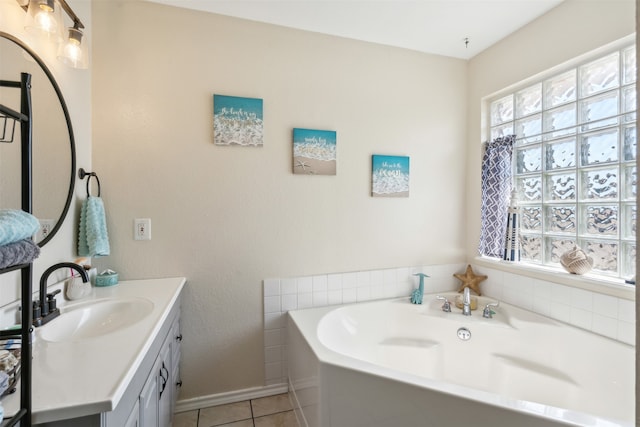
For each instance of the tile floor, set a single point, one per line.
(272, 411)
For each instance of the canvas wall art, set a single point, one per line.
(237, 121)
(314, 152)
(389, 176)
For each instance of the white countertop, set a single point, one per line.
(72, 379)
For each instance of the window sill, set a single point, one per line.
(606, 286)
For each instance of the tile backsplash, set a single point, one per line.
(602, 314)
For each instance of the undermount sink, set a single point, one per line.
(96, 318)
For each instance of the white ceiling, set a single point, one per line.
(432, 26)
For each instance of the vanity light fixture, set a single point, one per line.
(73, 52)
(44, 17)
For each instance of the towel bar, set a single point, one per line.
(82, 174)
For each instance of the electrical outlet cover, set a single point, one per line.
(46, 225)
(142, 229)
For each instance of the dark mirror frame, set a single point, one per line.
(63, 104)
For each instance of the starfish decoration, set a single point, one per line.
(470, 280)
(303, 165)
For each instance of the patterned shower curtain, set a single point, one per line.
(496, 190)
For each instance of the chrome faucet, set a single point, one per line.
(446, 306)
(45, 309)
(487, 312)
(466, 302)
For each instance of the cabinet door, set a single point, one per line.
(134, 417)
(165, 386)
(149, 398)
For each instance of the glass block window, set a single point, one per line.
(575, 162)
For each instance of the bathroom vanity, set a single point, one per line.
(110, 360)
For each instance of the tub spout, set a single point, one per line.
(466, 302)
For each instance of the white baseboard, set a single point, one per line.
(229, 397)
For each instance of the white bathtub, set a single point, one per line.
(392, 363)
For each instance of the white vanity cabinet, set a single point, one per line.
(148, 401)
(134, 417)
(156, 399)
(158, 395)
(176, 353)
(149, 384)
(165, 388)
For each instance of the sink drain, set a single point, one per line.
(464, 334)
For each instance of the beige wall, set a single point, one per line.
(566, 32)
(228, 217)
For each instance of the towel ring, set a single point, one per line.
(82, 174)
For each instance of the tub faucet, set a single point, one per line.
(466, 302)
(487, 312)
(45, 310)
(446, 306)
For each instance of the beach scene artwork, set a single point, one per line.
(237, 121)
(390, 176)
(314, 152)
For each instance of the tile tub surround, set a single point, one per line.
(601, 314)
(605, 315)
(282, 295)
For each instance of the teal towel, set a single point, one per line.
(16, 225)
(92, 236)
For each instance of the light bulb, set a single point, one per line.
(47, 6)
(45, 22)
(73, 52)
(44, 18)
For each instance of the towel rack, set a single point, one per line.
(82, 174)
(8, 116)
(23, 416)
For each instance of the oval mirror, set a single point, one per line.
(53, 146)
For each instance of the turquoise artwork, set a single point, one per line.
(389, 176)
(314, 152)
(237, 121)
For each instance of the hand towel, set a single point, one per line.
(93, 239)
(22, 252)
(16, 225)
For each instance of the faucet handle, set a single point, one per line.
(53, 294)
(487, 312)
(36, 310)
(446, 306)
(51, 300)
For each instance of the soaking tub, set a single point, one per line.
(391, 363)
